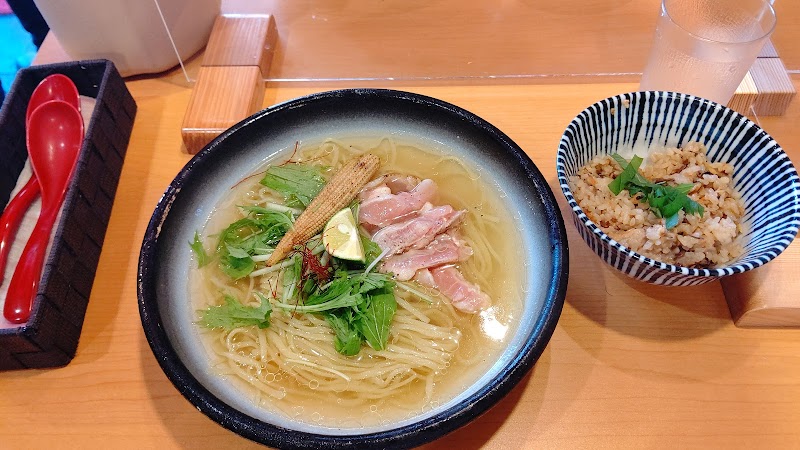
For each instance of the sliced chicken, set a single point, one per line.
(421, 240)
(444, 249)
(401, 183)
(394, 181)
(376, 192)
(425, 278)
(418, 231)
(381, 207)
(463, 295)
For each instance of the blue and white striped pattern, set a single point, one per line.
(763, 174)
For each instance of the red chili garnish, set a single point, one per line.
(313, 266)
(294, 152)
(273, 289)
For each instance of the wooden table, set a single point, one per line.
(630, 365)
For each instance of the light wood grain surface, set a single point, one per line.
(630, 365)
(446, 38)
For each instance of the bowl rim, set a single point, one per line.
(412, 434)
(717, 272)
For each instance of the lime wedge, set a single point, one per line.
(340, 237)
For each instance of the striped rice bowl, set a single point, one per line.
(748, 186)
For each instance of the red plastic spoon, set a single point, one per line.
(53, 87)
(55, 135)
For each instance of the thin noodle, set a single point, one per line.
(407, 306)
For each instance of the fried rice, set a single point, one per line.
(710, 240)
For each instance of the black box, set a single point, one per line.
(50, 338)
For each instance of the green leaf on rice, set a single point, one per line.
(665, 201)
(629, 173)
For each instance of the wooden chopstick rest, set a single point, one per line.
(230, 84)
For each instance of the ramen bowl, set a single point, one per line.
(653, 120)
(165, 260)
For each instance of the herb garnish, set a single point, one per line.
(665, 201)
(258, 233)
(359, 307)
(375, 315)
(371, 250)
(232, 314)
(199, 251)
(298, 183)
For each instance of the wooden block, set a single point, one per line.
(768, 50)
(230, 84)
(768, 296)
(775, 88)
(242, 40)
(745, 96)
(222, 97)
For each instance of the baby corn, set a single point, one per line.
(338, 193)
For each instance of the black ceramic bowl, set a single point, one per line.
(165, 256)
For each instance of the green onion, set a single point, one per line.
(665, 201)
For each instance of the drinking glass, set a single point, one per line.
(706, 47)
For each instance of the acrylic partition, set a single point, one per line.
(490, 39)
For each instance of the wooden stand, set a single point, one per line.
(230, 84)
(767, 89)
(745, 96)
(765, 297)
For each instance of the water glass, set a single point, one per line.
(706, 47)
